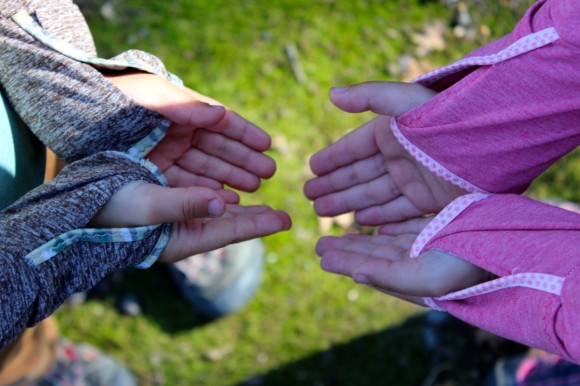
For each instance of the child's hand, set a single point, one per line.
(206, 147)
(203, 219)
(368, 171)
(382, 261)
(207, 144)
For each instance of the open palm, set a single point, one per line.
(382, 261)
(368, 171)
(207, 144)
(203, 219)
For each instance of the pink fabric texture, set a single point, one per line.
(508, 111)
(434, 166)
(505, 113)
(443, 218)
(532, 248)
(506, 119)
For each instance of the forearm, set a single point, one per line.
(531, 248)
(67, 103)
(507, 111)
(42, 265)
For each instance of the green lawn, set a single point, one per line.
(305, 327)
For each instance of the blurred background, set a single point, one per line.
(273, 61)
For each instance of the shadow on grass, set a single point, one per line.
(434, 349)
(155, 293)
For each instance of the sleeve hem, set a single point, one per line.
(431, 164)
(526, 44)
(108, 235)
(441, 220)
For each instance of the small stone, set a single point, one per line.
(218, 353)
(129, 305)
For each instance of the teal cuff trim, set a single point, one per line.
(175, 79)
(144, 163)
(108, 235)
(91, 235)
(147, 143)
(158, 248)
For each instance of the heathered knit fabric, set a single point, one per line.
(69, 105)
(75, 111)
(30, 294)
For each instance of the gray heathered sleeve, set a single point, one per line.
(30, 294)
(68, 105)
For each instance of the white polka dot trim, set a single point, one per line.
(538, 281)
(521, 46)
(429, 302)
(432, 165)
(526, 44)
(444, 217)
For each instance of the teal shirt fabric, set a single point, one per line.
(22, 156)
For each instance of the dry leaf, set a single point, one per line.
(431, 39)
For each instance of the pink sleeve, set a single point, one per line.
(533, 249)
(505, 112)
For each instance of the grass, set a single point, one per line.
(304, 327)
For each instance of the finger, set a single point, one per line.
(168, 99)
(341, 262)
(326, 243)
(414, 226)
(236, 127)
(191, 238)
(432, 274)
(202, 97)
(404, 241)
(356, 145)
(365, 245)
(385, 98)
(242, 210)
(163, 205)
(400, 276)
(202, 164)
(234, 153)
(255, 224)
(379, 191)
(229, 196)
(178, 177)
(347, 176)
(344, 258)
(181, 109)
(399, 209)
(140, 203)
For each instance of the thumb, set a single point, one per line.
(176, 104)
(385, 98)
(140, 203)
(180, 107)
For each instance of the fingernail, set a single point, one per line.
(216, 208)
(217, 107)
(361, 279)
(338, 90)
